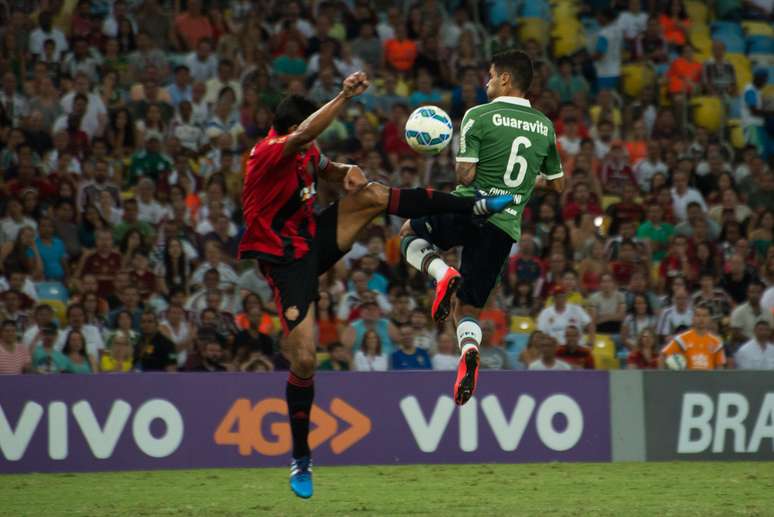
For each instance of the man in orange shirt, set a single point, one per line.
(702, 349)
(192, 25)
(400, 52)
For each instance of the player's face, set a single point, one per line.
(701, 319)
(492, 86)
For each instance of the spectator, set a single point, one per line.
(645, 355)
(738, 278)
(754, 113)
(408, 356)
(648, 166)
(153, 351)
(555, 318)
(360, 282)
(340, 359)
(14, 221)
(683, 195)
(493, 356)
(718, 75)
(746, 316)
(45, 31)
(656, 232)
(607, 51)
(607, 307)
(399, 51)
(43, 318)
(677, 317)
(546, 347)
(370, 319)
(191, 26)
(181, 332)
(370, 357)
(212, 357)
(573, 352)
(758, 352)
(74, 350)
(702, 349)
(14, 357)
(119, 355)
(714, 298)
(565, 82)
(446, 357)
(46, 358)
(91, 337)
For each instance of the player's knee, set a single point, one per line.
(304, 362)
(406, 229)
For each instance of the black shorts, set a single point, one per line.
(485, 248)
(296, 284)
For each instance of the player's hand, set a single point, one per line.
(355, 179)
(355, 84)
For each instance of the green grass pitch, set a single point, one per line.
(624, 489)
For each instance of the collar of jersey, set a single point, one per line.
(519, 101)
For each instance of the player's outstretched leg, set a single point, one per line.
(426, 258)
(299, 394)
(419, 202)
(469, 338)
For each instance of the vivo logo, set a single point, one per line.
(102, 440)
(507, 428)
(704, 423)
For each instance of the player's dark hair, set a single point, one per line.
(516, 63)
(291, 111)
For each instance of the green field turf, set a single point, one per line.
(631, 489)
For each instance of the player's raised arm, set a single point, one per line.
(316, 123)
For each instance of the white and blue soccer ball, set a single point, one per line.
(676, 362)
(428, 130)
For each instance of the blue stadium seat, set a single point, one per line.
(734, 43)
(723, 27)
(760, 45)
(52, 291)
(515, 343)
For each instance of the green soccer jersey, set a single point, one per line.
(511, 144)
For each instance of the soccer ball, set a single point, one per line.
(428, 130)
(676, 362)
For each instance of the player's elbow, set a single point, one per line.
(557, 185)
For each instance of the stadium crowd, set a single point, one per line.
(124, 126)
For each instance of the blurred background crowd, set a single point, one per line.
(124, 127)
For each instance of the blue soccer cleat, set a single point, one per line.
(492, 204)
(301, 477)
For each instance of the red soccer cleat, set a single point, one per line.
(467, 376)
(444, 291)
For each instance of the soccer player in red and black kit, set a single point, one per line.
(293, 245)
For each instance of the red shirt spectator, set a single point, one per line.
(581, 202)
(192, 25)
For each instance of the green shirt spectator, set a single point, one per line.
(566, 84)
(657, 232)
(149, 162)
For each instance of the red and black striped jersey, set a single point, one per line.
(278, 201)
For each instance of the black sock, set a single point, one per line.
(299, 395)
(419, 202)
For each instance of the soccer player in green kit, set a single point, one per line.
(506, 147)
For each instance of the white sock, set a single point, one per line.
(421, 253)
(468, 334)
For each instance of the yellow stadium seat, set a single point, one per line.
(565, 11)
(522, 325)
(59, 308)
(700, 39)
(742, 68)
(533, 29)
(768, 91)
(635, 77)
(736, 133)
(754, 28)
(708, 112)
(697, 11)
(604, 353)
(655, 273)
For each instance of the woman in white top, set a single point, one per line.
(179, 331)
(640, 318)
(370, 358)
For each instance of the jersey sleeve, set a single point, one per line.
(470, 139)
(671, 349)
(552, 164)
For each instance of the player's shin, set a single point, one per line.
(424, 257)
(299, 394)
(420, 202)
(468, 334)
